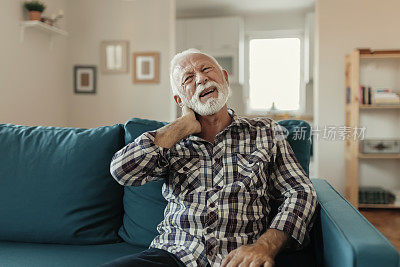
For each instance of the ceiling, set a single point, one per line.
(201, 8)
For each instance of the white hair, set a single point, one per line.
(177, 58)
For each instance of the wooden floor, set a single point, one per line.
(387, 221)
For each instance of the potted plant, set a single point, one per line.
(35, 9)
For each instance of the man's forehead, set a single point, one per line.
(193, 60)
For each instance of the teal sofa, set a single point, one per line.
(59, 205)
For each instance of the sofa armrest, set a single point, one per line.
(348, 238)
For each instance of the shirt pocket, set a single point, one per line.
(250, 170)
(185, 172)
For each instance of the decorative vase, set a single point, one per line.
(35, 15)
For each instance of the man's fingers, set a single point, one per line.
(225, 261)
(228, 258)
(268, 264)
(235, 261)
(256, 263)
(246, 263)
(186, 110)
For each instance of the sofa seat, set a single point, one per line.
(13, 254)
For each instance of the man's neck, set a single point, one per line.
(213, 124)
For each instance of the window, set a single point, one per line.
(274, 75)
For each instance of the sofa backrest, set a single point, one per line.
(299, 133)
(144, 205)
(56, 187)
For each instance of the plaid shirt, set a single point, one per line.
(219, 193)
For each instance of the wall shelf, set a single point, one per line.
(378, 156)
(353, 109)
(51, 30)
(396, 106)
(380, 56)
(379, 206)
(308, 118)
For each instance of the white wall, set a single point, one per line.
(283, 20)
(342, 26)
(33, 84)
(149, 26)
(36, 83)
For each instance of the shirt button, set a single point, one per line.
(218, 187)
(210, 230)
(212, 205)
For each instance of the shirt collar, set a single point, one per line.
(237, 121)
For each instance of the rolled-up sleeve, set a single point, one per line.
(290, 184)
(140, 161)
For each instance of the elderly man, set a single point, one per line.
(221, 172)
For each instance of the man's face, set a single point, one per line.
(203, 86)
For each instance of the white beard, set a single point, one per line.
(212, 105)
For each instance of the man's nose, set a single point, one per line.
(201, 79)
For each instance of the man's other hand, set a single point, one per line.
(254, 255)
(261, 253)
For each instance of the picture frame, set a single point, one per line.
(146, 67)
(114, 56)
(85, 79)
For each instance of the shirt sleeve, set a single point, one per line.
(290, 185)
(140, 161)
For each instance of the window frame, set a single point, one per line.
(246, 92)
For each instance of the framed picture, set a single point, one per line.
(114, 56)
(146, 67)
(85, 79)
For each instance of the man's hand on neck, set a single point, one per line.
(206, 127)
(172, 133)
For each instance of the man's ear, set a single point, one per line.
(226, 76)
(178, 100)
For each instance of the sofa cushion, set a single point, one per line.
(144, 205)
(17, 254)
(55, 184)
